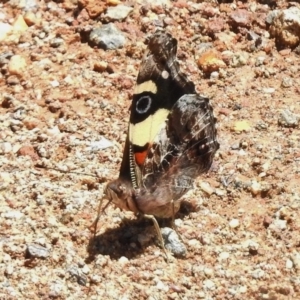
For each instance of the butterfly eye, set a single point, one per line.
(143, 104)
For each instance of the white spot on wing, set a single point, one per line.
(165, 74)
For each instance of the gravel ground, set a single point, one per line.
(68, 69)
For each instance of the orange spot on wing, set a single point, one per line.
(140, 157)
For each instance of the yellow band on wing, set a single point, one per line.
(147, 86)
(145, 132)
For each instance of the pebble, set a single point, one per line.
(214, 75)
(289, 264)
(5, 29)
(161, 286)
(268, 90)
(5, 147)
(208, 285)
(20, 25)
(35, 250)
(56, 42)
(166, 3)
(210, 61)
(287, 82)
(100, 66)
(205, 187)
(118, 13)
(279, 224)
(123, 260)
(286, 27)
(241, 18)
(223, 256)
(108, 37)
(251, 246)
(255, 188)
(288, 119)
(17, 65)
(259, 61)
(95, 146)
(30, 18)
(234, 223)
(173, 242)
(295, 258)
(208, 272)
(13, 214)
(239, 59)
(258, 273)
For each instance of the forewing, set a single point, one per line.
(159, 86)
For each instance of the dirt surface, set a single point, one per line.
(60, 95)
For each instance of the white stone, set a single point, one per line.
(123, 260)
(234, 223)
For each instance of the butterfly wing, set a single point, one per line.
(159, 86)
(182, 151)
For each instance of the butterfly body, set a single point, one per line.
(171, 136)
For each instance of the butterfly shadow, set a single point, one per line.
(130, 239)
(132, 236)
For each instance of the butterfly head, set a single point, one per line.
(121, 194)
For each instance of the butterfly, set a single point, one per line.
(171, 137)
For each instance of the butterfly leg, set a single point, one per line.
(174, 227)
(94, 225)
(158, 234)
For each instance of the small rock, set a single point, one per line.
(208, 272)
(100, 145)
(5, 29)
(258, 273)
(243, 125)
(214, 75)
(251, 246)
(255, 188)
(35, 250)
(100, 66)
(223, 256)
(295, 258)
(30, 18)
(288, 119)
(172, 242)
(17, 65)
(78, 274)
(286, 27)
(5, 147)
(117, 13)
(239, 59)
(287, 82)
(289, 264)
(166, 3)
(268, 90)
(94, 8)
(13, 214)
(271, 16)
(56, 42)
(241, 18)
(259, 61)
(210, 61)
(209, 285)
(28, 151)
(278, 224)
(108, 37)
(123, 260)
(234, 223)
(161, 286)
(205, 187)
(12, 80)
(20, 25)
